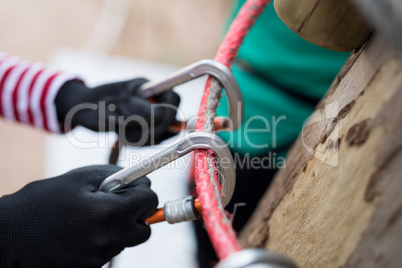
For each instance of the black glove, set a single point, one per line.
(112, 104)
(66, 222)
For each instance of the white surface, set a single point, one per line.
(169, 245)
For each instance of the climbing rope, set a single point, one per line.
(217, 221)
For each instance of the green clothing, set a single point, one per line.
(280, 74)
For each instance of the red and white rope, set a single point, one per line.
(217, 222)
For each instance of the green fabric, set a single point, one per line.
(277, 71)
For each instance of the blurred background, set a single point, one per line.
(105, 41)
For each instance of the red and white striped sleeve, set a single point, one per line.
(28, 92)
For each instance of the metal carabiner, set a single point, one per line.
(204, 67)
(253, 258)
(190, 142)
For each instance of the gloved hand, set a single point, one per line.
(66, 222)
(115, 103)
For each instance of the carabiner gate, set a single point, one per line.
(190, 142)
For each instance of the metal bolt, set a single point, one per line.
(180, 210)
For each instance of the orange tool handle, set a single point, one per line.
(178, 126)
(219, 122)
(159, 215)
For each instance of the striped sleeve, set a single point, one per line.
(28, 92)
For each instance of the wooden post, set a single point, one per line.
(333, 24)
(338, 202)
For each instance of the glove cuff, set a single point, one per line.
(69, 95)
(20, 235)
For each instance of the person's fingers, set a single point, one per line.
(136, 110)
(164, 136)
(122, 88)
(142, 181)
(156, 135)
(140, 200)
(169, 101)
(167, 106)
(169, 97)
(93, 175)
(134, 85)
(137, 234)
(147, 123)
(137, 104)
(169, 116)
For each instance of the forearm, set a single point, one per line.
(34, 94)
(28, 91)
